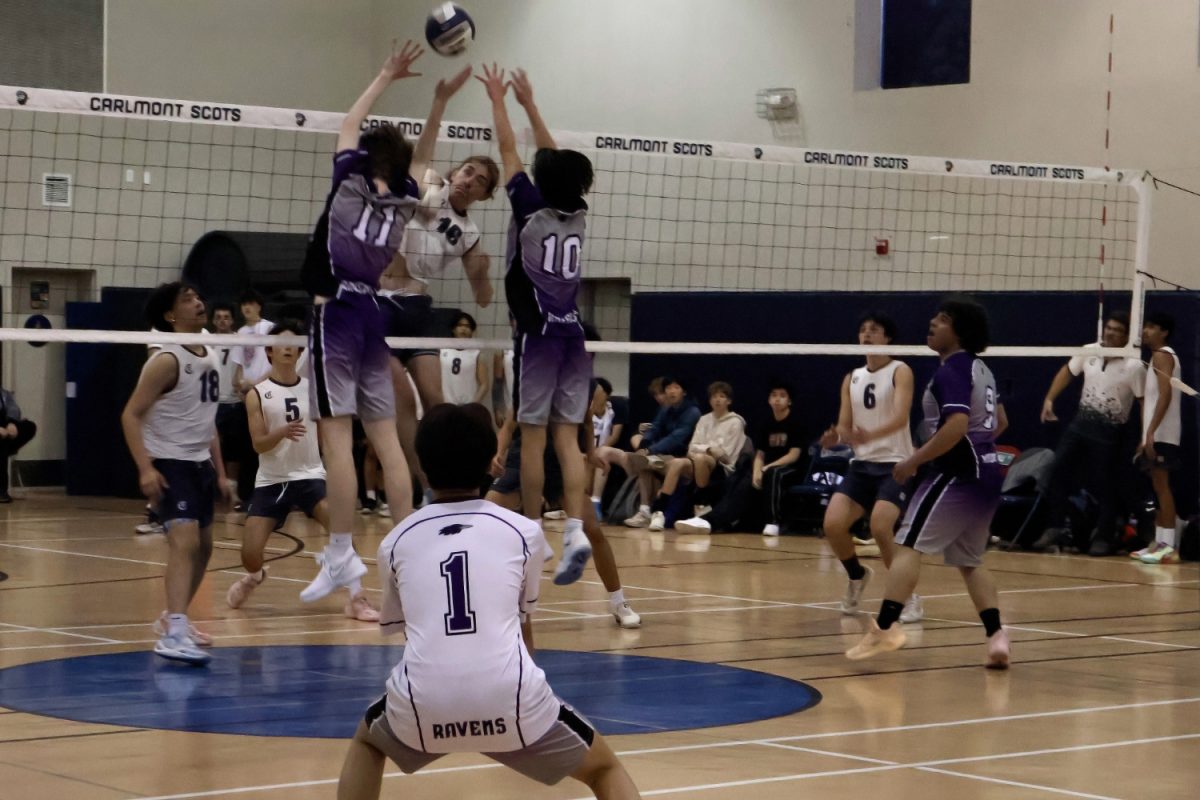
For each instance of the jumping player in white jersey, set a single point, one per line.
(170, 428)
(464, 372)
(873, 419)
(1159, 452)
(461, 577)
(356, 237)
(440, 235)
(543, 273)
(953, 506)
(290, 473)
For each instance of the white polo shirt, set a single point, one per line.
(1109, 386)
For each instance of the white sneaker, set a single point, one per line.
(181, 648)
(557, 513)
(547, 552)
(384, 510)
(854, 592)
(625, 616)
(771, 530)
(914, 610)
(700, 511)
(149, 529)
(658, 520)
(639, 520)
(333, 574)
(576, 552)
(693, 525)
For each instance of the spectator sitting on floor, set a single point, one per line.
(666, 438)
(716, 442)
(15, 433)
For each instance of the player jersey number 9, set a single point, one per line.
(385, 219)
(565, 263)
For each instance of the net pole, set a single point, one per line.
(1141, 260)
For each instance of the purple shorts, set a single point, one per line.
(351, 370)
(553, 375)
(951, 516)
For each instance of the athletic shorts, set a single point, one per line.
(510, 481)
(557, 755)
(1166, 456)
(277, 500)
(191, 488)
(868, 482)
(553, 376)
(951, 516)
(411, 316)
(351, 369)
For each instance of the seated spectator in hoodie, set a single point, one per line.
(666, 438)
(15, 433)
(713, 452)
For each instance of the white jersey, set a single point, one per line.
(1109, 386)
(457, 577)
(437, 236)
(1170, 430)
(602, 426)
(254, 362)
(459, 382)
(509, 379)
(182, 422)
(227, 369)
(873, 405)
(288, 460)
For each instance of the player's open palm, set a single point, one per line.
(522, 88)
(493, 80)
(399, 63)
(447, 88)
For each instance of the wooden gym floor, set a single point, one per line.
(1102, 701)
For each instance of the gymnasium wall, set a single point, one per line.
(690, 69)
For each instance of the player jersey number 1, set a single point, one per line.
(565, 263)
(385, 226)
(459, 617)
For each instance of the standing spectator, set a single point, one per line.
(15, 433)
(1089, 450)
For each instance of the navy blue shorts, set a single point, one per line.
(867, 482)
(408, 315)
(277, 501)
(191, 488)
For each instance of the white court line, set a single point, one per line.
(28, 629)
(1019, 784)
(115, 516)
(886, 767)
(374, 630)
(82, 555)
(1070, 634)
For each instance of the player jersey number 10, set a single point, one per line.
(565, 264)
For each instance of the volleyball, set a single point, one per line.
(449, 29)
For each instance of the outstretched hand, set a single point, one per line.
(447, 88)
(400, 61)
(522, 88)
(493, 80)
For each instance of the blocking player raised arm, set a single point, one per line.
(523, 91)
(506, 140)
(427, 141)
(396, 67)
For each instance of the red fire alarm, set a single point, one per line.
(881, 246)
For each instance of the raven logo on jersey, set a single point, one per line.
(188, 369)
(267, 395)
(450, 530)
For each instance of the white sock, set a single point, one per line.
(616, 598)
(177, 625)
(370, 494)
(644, 509)
(595, 499)
(340, 542)
(1165, 536)
(355, 588)
(259, 576)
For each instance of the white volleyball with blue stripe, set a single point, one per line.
(449, 29)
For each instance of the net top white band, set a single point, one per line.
(168, 110)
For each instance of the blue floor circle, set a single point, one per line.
(321, 691)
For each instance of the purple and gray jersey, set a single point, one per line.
(365, 227)
(544, 262)
(963, 384)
